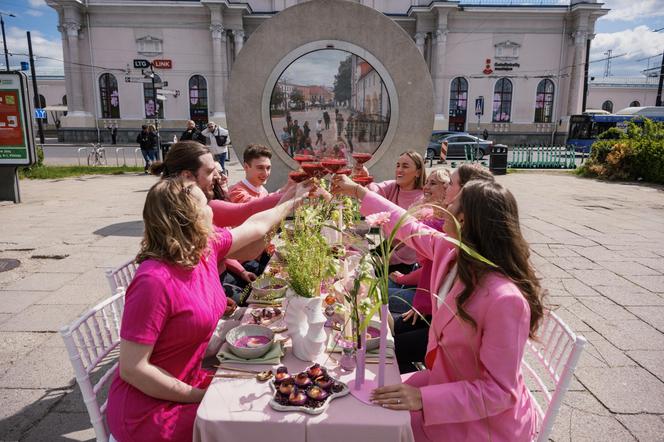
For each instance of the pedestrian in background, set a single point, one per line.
(217, 139)
(147, 140)
(192, 133)
(485, 134)
(114, 133)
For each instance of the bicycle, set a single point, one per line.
(97, 155)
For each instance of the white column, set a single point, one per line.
(67, 66)
(576, 76)
(220, 72)
(419, 41)
(437, 76)
(75, 95)
(238, 35)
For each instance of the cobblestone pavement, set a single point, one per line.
(598, 246)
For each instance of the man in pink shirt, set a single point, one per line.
(257, 168)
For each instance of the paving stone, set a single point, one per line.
(572, 320)
(631, 335)
(13, 346)
(583, 418)
(603, 309)
(653, 361)
(62, 427)
(643, 426)
(624, 390)
(598, 253)
(599, 352)
(17, 301)
(599, 277)
(574, 263)
(76, 294)
(653, 283)
(44, 367)
(22, 408)
(653, 263)
(41, 318)
(632, 295)
(628, 268)
(42, 282)
(4, 317)
(652, 315)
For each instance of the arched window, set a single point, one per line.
(608, 106)
(502, 100)
(544, 102)
(42, 105)
(458, 104)
(198, 101)
(110, 98)
(151, 102)
(635, 103)
(64, 103)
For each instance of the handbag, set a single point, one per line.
(221, 139)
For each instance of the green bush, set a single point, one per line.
(637, 154)
(612, 134)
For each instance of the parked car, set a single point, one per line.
(457, 144)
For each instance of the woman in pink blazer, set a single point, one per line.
(473, 388)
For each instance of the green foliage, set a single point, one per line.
(637, 155)
(54, 172)
(307, 256)
(612, 133)
(342, 81)
(298, 98)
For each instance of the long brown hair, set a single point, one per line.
(491, 227)
(175, 229)
(184, 155)
(468, 172)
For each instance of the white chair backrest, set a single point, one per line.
(121, 276)
(549, 364)
(89, 340)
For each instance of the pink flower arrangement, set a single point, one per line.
(378, 219)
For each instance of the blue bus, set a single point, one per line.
(584, 129)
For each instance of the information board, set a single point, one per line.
(17, 147)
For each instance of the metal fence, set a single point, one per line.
(541, 157)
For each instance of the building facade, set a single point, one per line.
(525, 61)
(614, 93)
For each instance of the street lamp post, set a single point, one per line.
(4, 38)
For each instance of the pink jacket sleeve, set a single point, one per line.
(505, 331)
(416, 379)
(412, 278)
(416, 235)
(227, 214)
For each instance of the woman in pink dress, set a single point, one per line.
(404, 190)
(171, 309)
(482, 316)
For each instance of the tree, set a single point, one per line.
(277, 99)
(342, 81)
(298, 98)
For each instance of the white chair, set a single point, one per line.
(89, 341)
(553, 358)
(121, 276)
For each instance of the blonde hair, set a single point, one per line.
(175, 229)
(419, 165)
(442, 174)
(426, 209)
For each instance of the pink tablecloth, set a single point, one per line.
(238, 410)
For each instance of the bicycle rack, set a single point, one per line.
(117, 157)
(78, 153)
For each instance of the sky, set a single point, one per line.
(315, 68)
(627, 29)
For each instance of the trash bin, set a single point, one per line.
(498, 159)
(165, 147)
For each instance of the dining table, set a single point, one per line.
(238, 409)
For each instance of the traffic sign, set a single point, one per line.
(137, 80)
(161, 97)
(168, 92)
(140, 63)
(162, 64)
(479, 106)
(25, 66)
(40, 113)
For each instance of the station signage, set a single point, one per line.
(505, 66)
(479, 106)
(140, 63)
(162, 64)
(17, 145)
